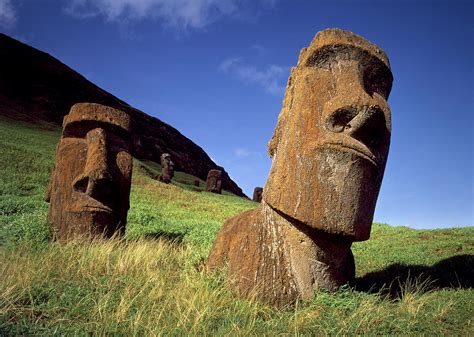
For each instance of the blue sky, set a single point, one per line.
(216, 70)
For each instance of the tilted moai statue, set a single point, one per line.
(89, 188)
(257, 194)
(329, 151)
(214, 181)
(167, 168)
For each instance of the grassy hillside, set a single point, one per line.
(152, 282)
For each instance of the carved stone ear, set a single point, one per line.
(281, 124)
(277, 134)
(273, 143)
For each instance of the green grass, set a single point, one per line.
(152, 282)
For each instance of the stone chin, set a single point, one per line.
(89, 221)
(335, 192)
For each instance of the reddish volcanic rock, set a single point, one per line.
(329, 151)
(89, 188)
(167, 168)
(214, 181)
(257, 194)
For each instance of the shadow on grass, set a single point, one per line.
(175, 238)
(454, 272)
(148, 171)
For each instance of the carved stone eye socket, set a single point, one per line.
(377, 78)
(339, 120)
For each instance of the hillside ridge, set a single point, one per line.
(35, 86)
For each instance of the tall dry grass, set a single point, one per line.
(101, 287)
(148, 287)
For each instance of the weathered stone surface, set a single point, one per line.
(278, 260)
(167, 168)
(329, 151)
(89, 187)
(331, 142)
(257, 194)
(214, 182)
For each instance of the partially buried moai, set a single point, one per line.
(329, 151)
(167, 168)
(89, 188)
(257, 194)
(214, 181)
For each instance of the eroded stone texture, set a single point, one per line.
(167, 168)
(89, 187)
(277, 260)
(214, 181)
(329, 151)
(257, 194)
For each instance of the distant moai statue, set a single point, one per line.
(329, 151)
(257, 194)
(214, 181)
(167, 168)
(196, 182)
(89, 188)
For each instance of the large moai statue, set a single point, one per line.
(167, 168)
(329, 151)
(214, 181)
(257, 194)
(89, 188)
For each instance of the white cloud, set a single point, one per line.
(272, 79)
(245, 153)
(7, 13)
(258, 48)
(181, 14)
(242, 153)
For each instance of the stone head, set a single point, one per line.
(214, 181)
(331, 142)
(167, 167)
(89, 187)
(257, 194)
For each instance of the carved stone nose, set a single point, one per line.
(361, 119)
(96, 180)
(363, 123)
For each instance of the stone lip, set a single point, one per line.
(89, 204)
(36, 87)
(97, 209)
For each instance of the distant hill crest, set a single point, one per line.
(35, 86)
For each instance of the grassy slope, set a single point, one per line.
(153, 283)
